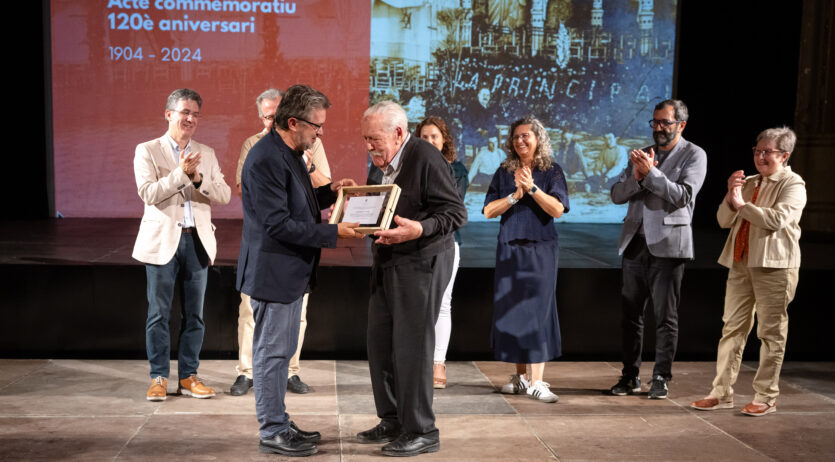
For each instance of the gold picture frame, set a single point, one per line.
(384, 214)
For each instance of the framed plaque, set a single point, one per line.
(371, 206)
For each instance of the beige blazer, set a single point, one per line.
(774, 234)
(162, 185)
(317, 152)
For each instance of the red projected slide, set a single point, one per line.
(115, 62)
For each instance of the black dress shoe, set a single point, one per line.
(307, 437)
(287, 444)
(295, 385)
(409, 444)
(241, 386)
(382, 433)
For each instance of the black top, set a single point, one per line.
(427, 195)
(459, 172)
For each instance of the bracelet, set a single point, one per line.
(511, 200)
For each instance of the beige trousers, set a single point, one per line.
(246, 327)
(766, 292)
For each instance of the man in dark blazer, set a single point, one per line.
(412, 267)
(280, 248)
(660, 183)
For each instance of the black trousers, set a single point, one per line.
(649, 280)
(404, 305)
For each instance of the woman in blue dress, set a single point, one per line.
(528, 191)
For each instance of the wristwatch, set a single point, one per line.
(533, 190)
(511, 200)
(312, 168)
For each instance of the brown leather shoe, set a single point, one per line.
(439, 373)
(756, 409)
(158, 390)
(192, 386)
(709, 403)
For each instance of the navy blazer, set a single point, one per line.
(283, 231)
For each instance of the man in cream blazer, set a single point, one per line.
(177, 179)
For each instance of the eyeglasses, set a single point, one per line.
(269, 117)
(764, 152)
(663, 123)
(522, 136)
(185, 113)
(316, 126)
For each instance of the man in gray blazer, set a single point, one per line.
(660, 183)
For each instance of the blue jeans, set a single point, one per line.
(191, 263)
(274, 342)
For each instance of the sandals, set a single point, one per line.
(439, 373)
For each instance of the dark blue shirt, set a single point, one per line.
(526, 219)
(459, 171)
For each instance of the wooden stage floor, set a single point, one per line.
(96, 410)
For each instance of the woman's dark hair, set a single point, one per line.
(448, 149)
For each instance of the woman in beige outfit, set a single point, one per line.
(763, 255)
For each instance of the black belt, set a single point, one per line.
(189, 230)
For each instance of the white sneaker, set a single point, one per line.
(539, 390)
(516, 386)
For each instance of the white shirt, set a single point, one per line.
(188, 213)
(393, 169)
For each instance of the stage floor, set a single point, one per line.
(96, 410)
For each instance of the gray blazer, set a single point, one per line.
(663, 201)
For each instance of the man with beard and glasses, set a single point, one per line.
(660, 183)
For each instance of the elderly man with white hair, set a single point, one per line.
(412, 267)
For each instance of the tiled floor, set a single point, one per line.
(96, 410)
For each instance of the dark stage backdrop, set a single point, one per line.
(737, 72)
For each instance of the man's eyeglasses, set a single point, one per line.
(186, 113)
(663, 123)
(316, 126)
(271, 118)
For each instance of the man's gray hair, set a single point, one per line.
(784, 138)
(679, 108)
(299, 101)
(272, 94)
(392, 115)
(183, 93)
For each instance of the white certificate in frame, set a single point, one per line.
(371, 206)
